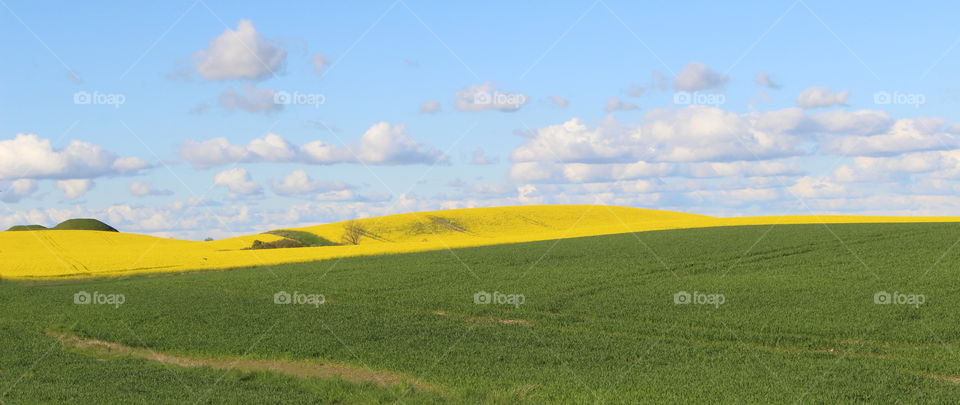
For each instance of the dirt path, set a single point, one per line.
(294, 368)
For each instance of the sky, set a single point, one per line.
(203, 118)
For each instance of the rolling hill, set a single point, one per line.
(805, 313)
(81, 253)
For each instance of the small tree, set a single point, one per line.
(352, 232)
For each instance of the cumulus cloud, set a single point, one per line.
(760, 150)
(736, 197)
(250, 99)
(381, 144)
(298, 182)
(936, 164)
(238, 181)
(818, 97)
(17, 190)
(818, 187)
(144, 189)
(694, 133)
(385, 143)
(30, 156)
(74, 188)
(701, 142)
(480, 158)
(862, 122)
(578, 173)
(906, 135)
(240, 54)
(954, 128)
(430, 107)
(697, 76)
(487, 96)
(616, 104)
(765, 80)
(219, 151)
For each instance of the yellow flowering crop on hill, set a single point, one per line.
(53, 254)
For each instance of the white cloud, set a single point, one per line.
(250, 99)
(862, 122)
(616, 104)
(559, 101)
(697, 76)
(572, 141)
(736, 197)
(954, 128)
(739, 169)
(30, 156)
(817, 97)
(820, 187)
(533, 172)
(906, 135)
(635, 90)
(487, 96)
(17, 190)
(691, 134)
(238, 181)
(144, 189)
(319, 63)
(765, 80)
(479, 158)
(219, 151)
(589, 173)
(430, 107)
(129, 165)
(240, 54)
(529, 194)
(935, 164)
(298, 182)
(74, 188)
(382, 143)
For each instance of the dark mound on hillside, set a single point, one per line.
(27, 228)
(84, 224)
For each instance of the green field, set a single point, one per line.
(598, 323)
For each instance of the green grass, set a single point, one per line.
(83, 224)
(76, 224)
(304, 238)
(27, 228)
(599, 323)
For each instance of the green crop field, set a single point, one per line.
(759, 314)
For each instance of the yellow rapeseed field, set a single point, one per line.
(56, 254)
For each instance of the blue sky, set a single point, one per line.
(796, 107)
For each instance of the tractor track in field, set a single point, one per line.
(104, 350)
